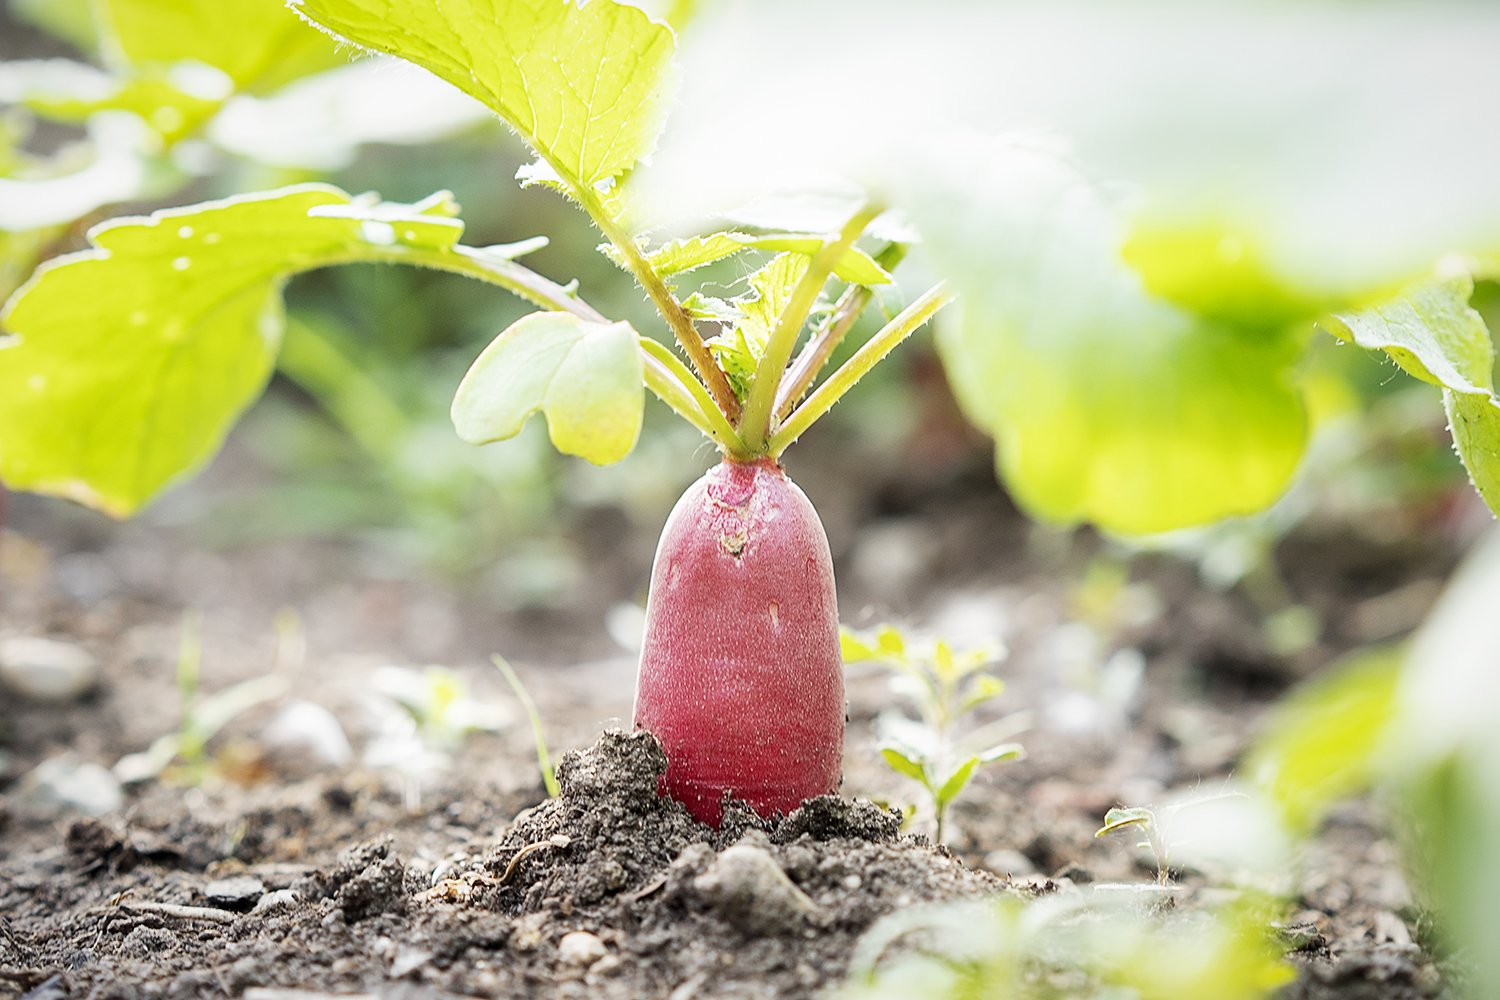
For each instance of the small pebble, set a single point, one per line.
(64, 784)
(46, 670)
(749, 890)
(305, 737)
(238, 893)
(409, 960)
(580, 948)
(281, 899)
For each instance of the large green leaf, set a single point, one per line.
(1431, 331)
(258, 43)
(128, 363)
(586, 87)
(1107, 402)
(588, 378)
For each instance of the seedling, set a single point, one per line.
(945, 686)
(1155, 824)
(182, 757)
(543, 758)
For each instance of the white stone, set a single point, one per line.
(64, 784)
(46, 670)
(580, 948)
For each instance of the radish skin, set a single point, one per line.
(741, 678)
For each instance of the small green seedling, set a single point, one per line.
(1156, 822)
(543, 758)
(182, 757)
(945, 686)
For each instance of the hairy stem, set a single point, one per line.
(475, 263)
(678, 320)
(676, 386)
(760, 405)
(822, 344)
(876, 348)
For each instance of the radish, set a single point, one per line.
(740, 676)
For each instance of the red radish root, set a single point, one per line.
(741, 678)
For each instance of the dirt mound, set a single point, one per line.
(608, 890)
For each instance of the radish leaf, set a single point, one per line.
(1432, 332)
(128, 362)
(587, 378)
(586, 87)
(260, 45)
(1107, 402)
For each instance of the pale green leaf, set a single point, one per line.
(70, 20)
(587, 378)
(1002, 751)
(1318, 746)
(956, 781)
(1432, 332)
(1429, 330)
(889, 639)
(902, 764)
(259, 44)
(214, 712)
(985, 687)
(771, 290)
(854, 649)
(1107, 403)
(586, 87)
(993, 734)
(130, 361)
(1474, 421)
(1118, 819)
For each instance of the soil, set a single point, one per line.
(276, 874)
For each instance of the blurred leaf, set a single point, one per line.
(1431, 331)
(214, 712)
(130, 361)
(1318, 745)
(587, 378)
(1118, 818)
(259, 44)
(1003, 751)
(853, 648)
(1215, 272)
(889, 639)
(586, 87)
(984, 688)
(1001, 731)
(65, 91)
(1107, 402)
(70, 20)
(902, 764)
(955, 782)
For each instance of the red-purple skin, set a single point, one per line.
(741, 678)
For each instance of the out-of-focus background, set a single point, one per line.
(346, 539)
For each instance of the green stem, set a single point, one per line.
(822, 345)
(671, 380)
(874, 349)
(678, 320)
(543, 759)
(760, 405)
(475, 263)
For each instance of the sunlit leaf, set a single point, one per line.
(129, 362)
(586, 87)
(1317, 746)
(1432, 332)
(956, 781)
(1107, 402)
(853, 648)
(259, 44)
(902, 764)
(585, 377)
(889, 638)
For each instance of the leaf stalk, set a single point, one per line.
(876, 348)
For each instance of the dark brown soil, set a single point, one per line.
(360, 894)
(666, 910)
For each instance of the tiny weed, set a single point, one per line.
(182, 757)
(543, 758)
(945, 686)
